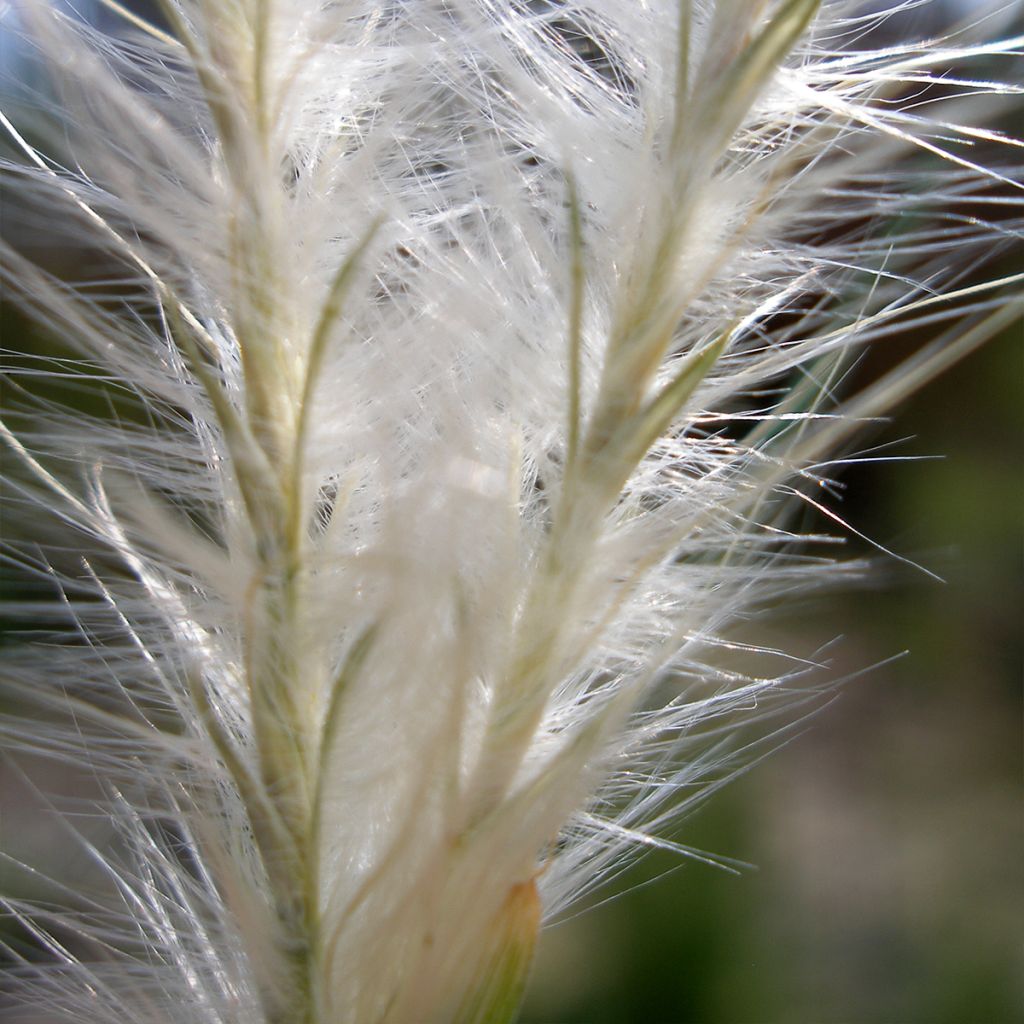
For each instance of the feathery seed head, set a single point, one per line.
(471, 358)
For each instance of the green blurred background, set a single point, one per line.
(888, 836)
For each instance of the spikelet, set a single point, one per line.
(470, 359)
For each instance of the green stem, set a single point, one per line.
(505, 961)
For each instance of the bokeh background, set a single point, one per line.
(886, 834)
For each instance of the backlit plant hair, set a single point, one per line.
(468, 360)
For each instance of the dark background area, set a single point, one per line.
(888, 836)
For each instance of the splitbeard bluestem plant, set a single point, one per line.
(468, 362)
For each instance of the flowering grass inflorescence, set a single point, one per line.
(470, 359)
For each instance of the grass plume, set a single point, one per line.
(472, 360)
